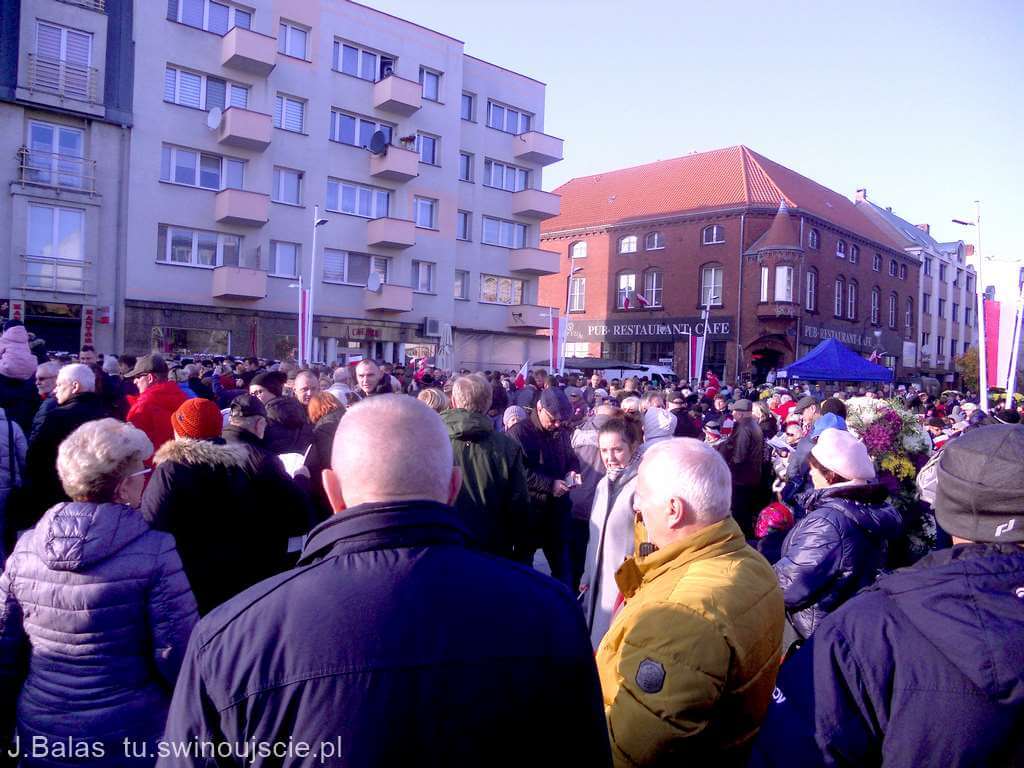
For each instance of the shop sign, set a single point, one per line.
(668, 329)
(88, 325)
(363, 332)
(854, 338)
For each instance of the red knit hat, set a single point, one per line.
(197, 418)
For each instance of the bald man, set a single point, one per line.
(392, 642)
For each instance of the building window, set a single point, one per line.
(956, 312)
(356, 130)
(618, 350)
(813, 240)
(893, 271)
(876, 262)
(840, 249)
(627, 244)
(959, 278)
(423, 276)
(928, 266)
(763, 297)
(854, 254)
(284, 259)
(893, 302)
(653, 284)
(358, 199)
(504, 176)
(876, 305)
(783, 283)
(358, 62)
(925, 338)
(509, 234)
(851, 300)
(967, 346)
(578, 250)
(940, 346)
(626, 289)
(55, 156)
(970, 284)
(942, 273)
(577, 294)
(903, 271)
(840, 290)
(291, 40)
(196, 247)
(811, 301)
(465, 166)
(942, 307)
(952, 347)
(926, 303)
(431, 82)
(64, 57)
(427, 147)
(466, 107)
(654, 241)
(191, 89)
(289, 113)
(426, 212)
(507, 119)
(713, 235)
(199, 169)
(461, 288)
(54, 233)
(967, 317)
(209, 15)
(908, 320)
(500, 290)
(463, 225)
(711, 280)
(353, 268)
(287, 186)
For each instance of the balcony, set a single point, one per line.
(100, 6)
(778, 310)
(235, 282)
(56, 275)
(529, 316)
(48, 169)
(245, 129)
(397, 95)
(63, 78)
(535, 204)
(397, 164)
(534, 261)
(391, 233)
(248, 51)
(390, 298)
(537, 147)
(247, 209)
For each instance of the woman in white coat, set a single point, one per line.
(611, 524)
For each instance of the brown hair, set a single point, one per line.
(830, 477)
(321, 404)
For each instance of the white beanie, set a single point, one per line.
(659, 424)
(844, 454)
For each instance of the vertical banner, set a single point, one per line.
(303, 314)
(992, 342)
(554, 340)
(558, 331)
(17, 310)
(88, 326)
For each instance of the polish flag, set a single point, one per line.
(521, 376)
(641, 299)
(625, 303)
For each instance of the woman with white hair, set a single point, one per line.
(95, 610)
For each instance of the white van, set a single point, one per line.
(664, 373)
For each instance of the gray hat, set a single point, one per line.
(803, 404)
(554, 401)
(980, 494)
(743, 406)
(148, 364)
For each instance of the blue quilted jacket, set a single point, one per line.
(95, 615)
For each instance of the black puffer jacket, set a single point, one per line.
(837, 548)
(548, 456)
(288, 428)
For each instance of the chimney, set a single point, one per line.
(926, 228)
(861, 196)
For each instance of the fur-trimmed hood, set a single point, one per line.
(214, 453)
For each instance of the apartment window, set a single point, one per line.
(460, 290)
(953, 343)
(654, 241)
(627, 244)
(463, 225)
(287, 186)
(839, 295)
(942, 307)
(200, 169)
(55, 156)
(284, 259)
(196, 247)
(504, 176)
(942, 272)
(427, 146)
(959, 278)
(423, 276)
(903, 271)
(967, 346)
(908, 320)
(892, 310)
(356, 130)
(711, 280)
(191, 89)
(465, 166)
(500, 290)
(813, 240)
(765, 276)
(840, 249)
(892, 268)
(970, 284)
(876, 305)
(358, 199)
(926, 303)
(851, 300)
(289, 113)
(292, 40)
(577, 294)
(783, 283)
(876, 263)
(578, 250)
(353, 268)
(426, 212)
(358, 62)
(508, 119)
(713, 235)
(510, 234)
(64, 57)
(956, 312)
(626, 288)
(967, 317)
(811, 299)
(928, 266)
(209, 15)
(940, 346)
(56, 232)
(431, 82)
(654, 282)
(854, 254)
(925, 338)
(468, 102)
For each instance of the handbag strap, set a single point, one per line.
(11, 459)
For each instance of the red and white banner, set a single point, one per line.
(88, 325)
(17, 310)
(992, 343)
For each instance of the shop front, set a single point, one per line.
(342, 340)
(887, 346)
(65, 328)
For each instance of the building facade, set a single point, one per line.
(779, 262)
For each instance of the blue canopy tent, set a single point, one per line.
(833, 361)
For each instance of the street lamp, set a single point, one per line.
(308, 351)
(980, 293)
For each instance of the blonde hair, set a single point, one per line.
(434, 398)
(94, 458)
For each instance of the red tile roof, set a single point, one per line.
(734, 177)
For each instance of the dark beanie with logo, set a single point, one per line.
(980, 495)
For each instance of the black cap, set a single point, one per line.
(272, 381)
(804, 403)
(555, 402)
(244, 406)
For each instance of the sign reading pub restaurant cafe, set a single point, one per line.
(667, 329)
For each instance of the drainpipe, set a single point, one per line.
(800, 297)
(739, 304)
(121, 257)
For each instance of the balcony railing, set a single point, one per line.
(68, 80)
(49, 169)
(50, 273)
(93, 5)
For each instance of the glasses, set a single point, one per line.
(140, 472)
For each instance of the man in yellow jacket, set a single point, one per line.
(688, 666)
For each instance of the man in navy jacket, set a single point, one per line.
(391, 643)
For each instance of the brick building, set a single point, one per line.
(782, 261)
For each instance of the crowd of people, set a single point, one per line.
(244, 562)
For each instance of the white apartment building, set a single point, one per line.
(947, 300)
(247, 116)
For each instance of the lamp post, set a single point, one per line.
(308, 352)
(980, 293)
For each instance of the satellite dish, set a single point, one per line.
(373, 282)
(378, 143)
(214, 117)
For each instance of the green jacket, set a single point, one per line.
(494, 502)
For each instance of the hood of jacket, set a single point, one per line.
(286, 411)
(16, 335)
(75, 535)
(865, 504)
(966, 601)
(209, 452)
(467, 425)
